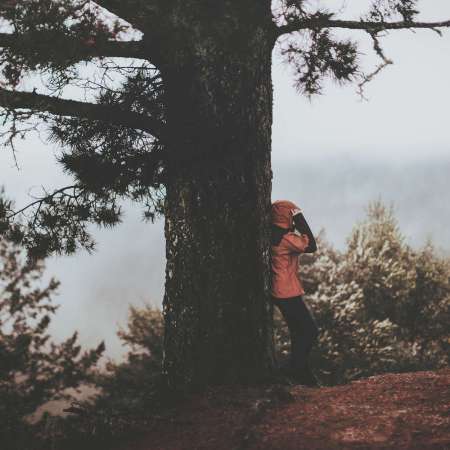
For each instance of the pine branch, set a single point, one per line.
(89, 49)
(323, 22)
(42, 200)
(143, 16)
(62, 107)
(132, 11)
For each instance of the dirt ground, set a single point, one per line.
(392, 411)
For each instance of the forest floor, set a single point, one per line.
(392, 411)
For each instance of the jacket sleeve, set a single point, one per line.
(302, 226)
(296, 243)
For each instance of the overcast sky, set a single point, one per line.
(331, 155)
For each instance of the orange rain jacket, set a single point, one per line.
(285, 280)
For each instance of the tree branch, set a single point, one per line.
(42, 200)
(132, 11)
(385, 61)
(318, 23)
(112, 49)
(107, 113)
(144, 16)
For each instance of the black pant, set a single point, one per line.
(302, 329)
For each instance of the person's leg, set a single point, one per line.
(303, 332)
(285, 310)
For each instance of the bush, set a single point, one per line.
(130, 387)
(128, 394)
(34, 370)
(380, 305)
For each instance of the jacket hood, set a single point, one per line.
(281, 213)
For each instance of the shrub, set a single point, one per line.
(131, 386)
(128, 394)
(380, 305)
(34, 370)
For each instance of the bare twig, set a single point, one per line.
(385, 61)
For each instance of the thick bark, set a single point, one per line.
(216, 305)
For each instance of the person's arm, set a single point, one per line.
(302, 226)
(296, 243)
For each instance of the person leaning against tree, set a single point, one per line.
(292, 236)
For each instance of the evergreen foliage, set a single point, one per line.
(174, 111)
(129, 395)
(381, 305)
(113, 145)
(132, 385)
(33, 368)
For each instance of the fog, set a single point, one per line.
(331, 155)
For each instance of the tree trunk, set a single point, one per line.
(217, 306)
